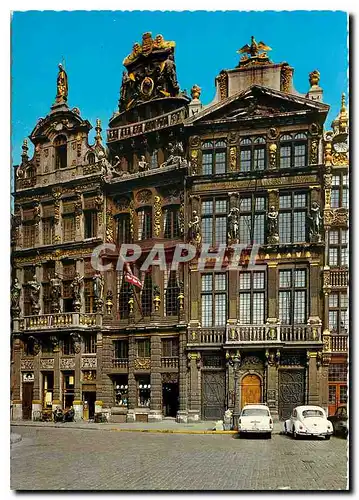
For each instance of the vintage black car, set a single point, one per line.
(340, 421)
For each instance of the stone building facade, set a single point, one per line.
(247, 185)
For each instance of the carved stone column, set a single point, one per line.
(182, 379)
(194, 410)
(56, 397)
(132, 388)
(195, 278)
(156, 380)
(80, 268)
(272, 382)
(16, 380)
(313, 385)
(79, 219)
(104, 385)
(272, 293)
(36, 395)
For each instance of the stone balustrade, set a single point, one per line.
(339, 277)
(60, 320)
(120, 363)
(169, 362)
(339, 343)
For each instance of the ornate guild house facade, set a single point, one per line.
(251, 185)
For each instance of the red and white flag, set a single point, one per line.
(130, 277)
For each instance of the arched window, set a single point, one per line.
(214, 157)
(30, 172)
(60, 144)
(91, 158)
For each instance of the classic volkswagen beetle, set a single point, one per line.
(308, 421)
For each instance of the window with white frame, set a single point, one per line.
(338, 312)
(214, 221)
(293, 294)
(214, 155)
(292, 217)
(252, 213)
(340, 190)
(252, 297)
(214, 299)
(338, 247)
(252, 154)
(293, 150)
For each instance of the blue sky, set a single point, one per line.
(94, 44)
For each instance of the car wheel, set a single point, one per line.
(327, 438)
(269, 435)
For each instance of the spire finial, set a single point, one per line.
(25, 150)
(98, 129)
(343, 108)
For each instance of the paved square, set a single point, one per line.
(77, 459)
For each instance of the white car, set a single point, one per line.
(308, 421)
(255, 419)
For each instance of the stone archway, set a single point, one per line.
(251, 389)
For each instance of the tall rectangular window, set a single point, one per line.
(171, 292)
(146, 295)
(252, 154)
(338, 313)
(29, 234)
(123, 229)
(90, 343)
(90, 220)
(292, 217)
(169, 348)
(124, 295)
(293, 292)
(48, 231)
(68, 227)
(252, 297)
(293, 150)
(338, 247)
(340, 189)
(252, 213)
(214, 299)
(120, 349)
(144, 348)
(171, 223)
(214, 157)
(89, 295)
(144, 223)
(48, 271)
(214, 222)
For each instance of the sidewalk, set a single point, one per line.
(164, 426)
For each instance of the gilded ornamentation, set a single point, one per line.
(233, 158)
(328, 216)
(67, 363)
(157, 218)
(89, 362)
(340, 159)
(195, 92)
(232, 137)
(328, 158)
(194, 230)
(314, 77)
(142, 364)
(47, 363)
(314, 152)
(272, 226)
(327, 181)
(223, 85)
(88, 375)
(315, 223)
(270, 357)
(62, 85)
(326, 342)
(132, 218)
(181, 218)
(110, 230)
(285, 78)
(257, 53)
(78, 209)
(144, 196)
(194, 161)
(326, 280)
(272, 155)
(27, 364)
(78, 145)
(56, 194)
(123, 204)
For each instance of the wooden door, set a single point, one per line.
(251, 390)
(337, 396)
(27, 392)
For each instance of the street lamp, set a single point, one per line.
(234, 360)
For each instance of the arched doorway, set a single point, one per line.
(250, 390)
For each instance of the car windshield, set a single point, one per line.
(255, 412)
(312, 413)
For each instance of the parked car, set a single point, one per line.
(308, 421)
(340, 421)
(255, 419)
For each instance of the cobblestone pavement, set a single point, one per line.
(78, 459)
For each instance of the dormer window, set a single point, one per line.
(60, 152)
